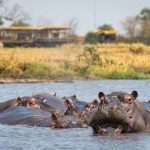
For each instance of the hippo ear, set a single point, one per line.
(68, 103)
(101, 94)
(95, 101)
(54, 94)
(74, 96)
(134, 94)
(98, 129)
(19, 100)
(54, 117)
(120, 127)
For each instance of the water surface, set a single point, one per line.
(22, 137)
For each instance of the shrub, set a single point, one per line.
(91, 38)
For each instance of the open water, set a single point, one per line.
(19, 137)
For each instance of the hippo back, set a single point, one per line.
(25, 116)
(53, 101)
(10, 103)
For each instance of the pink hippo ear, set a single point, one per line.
(19, 100)
(100, 95)
(68, 103)
(134, 94)
(54, 117)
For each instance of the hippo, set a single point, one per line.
(10, 103)
(109, 131)
(51, 100)
(46, 102)
(121, 112)
(76, 107)
(28, 102)
(66, 121)
(25, 116)
(35, 117)
(33, 103)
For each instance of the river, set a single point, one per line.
(23, 137)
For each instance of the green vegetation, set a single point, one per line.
(96, 37)
(20, 23)
(137, 28)
(91, 38)
(105, 27)
(1, 22)
(102, 61)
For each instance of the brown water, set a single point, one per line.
(23, 137)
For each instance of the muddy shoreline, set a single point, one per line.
(10, 80)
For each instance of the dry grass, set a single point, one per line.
(117, 61)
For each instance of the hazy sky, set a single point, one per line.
(59, 12)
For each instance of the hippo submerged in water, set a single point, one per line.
(36, 111)
(36, 117)
(115, 113)
(45, 101)
(121, 113)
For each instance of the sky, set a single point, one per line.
(88, 13)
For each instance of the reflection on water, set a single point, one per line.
(23, 137)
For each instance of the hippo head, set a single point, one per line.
(71, 109)
(92, 105)
(128, 98)
(74, 106)
(124, 114)
(67, 121)
(109, 131)
(103, 98)
(56, 122)
(27, 102)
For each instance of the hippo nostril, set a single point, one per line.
(129, 101)
(127, 110)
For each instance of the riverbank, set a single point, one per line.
(10, 80)
(73, 62)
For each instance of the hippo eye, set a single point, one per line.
(102, 132)
(130, 116)
(30, 103)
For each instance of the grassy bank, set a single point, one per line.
(103, 61)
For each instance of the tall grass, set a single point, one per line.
(108, 61)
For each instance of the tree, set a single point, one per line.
(144, 17)
(44, 21)
(12, 14)
(138, 27)
(73, 23)
(105, 27)
(95, 37)
(20, 23)
(131, 25)
(1, 22)
(91, 37)
(145, 14)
